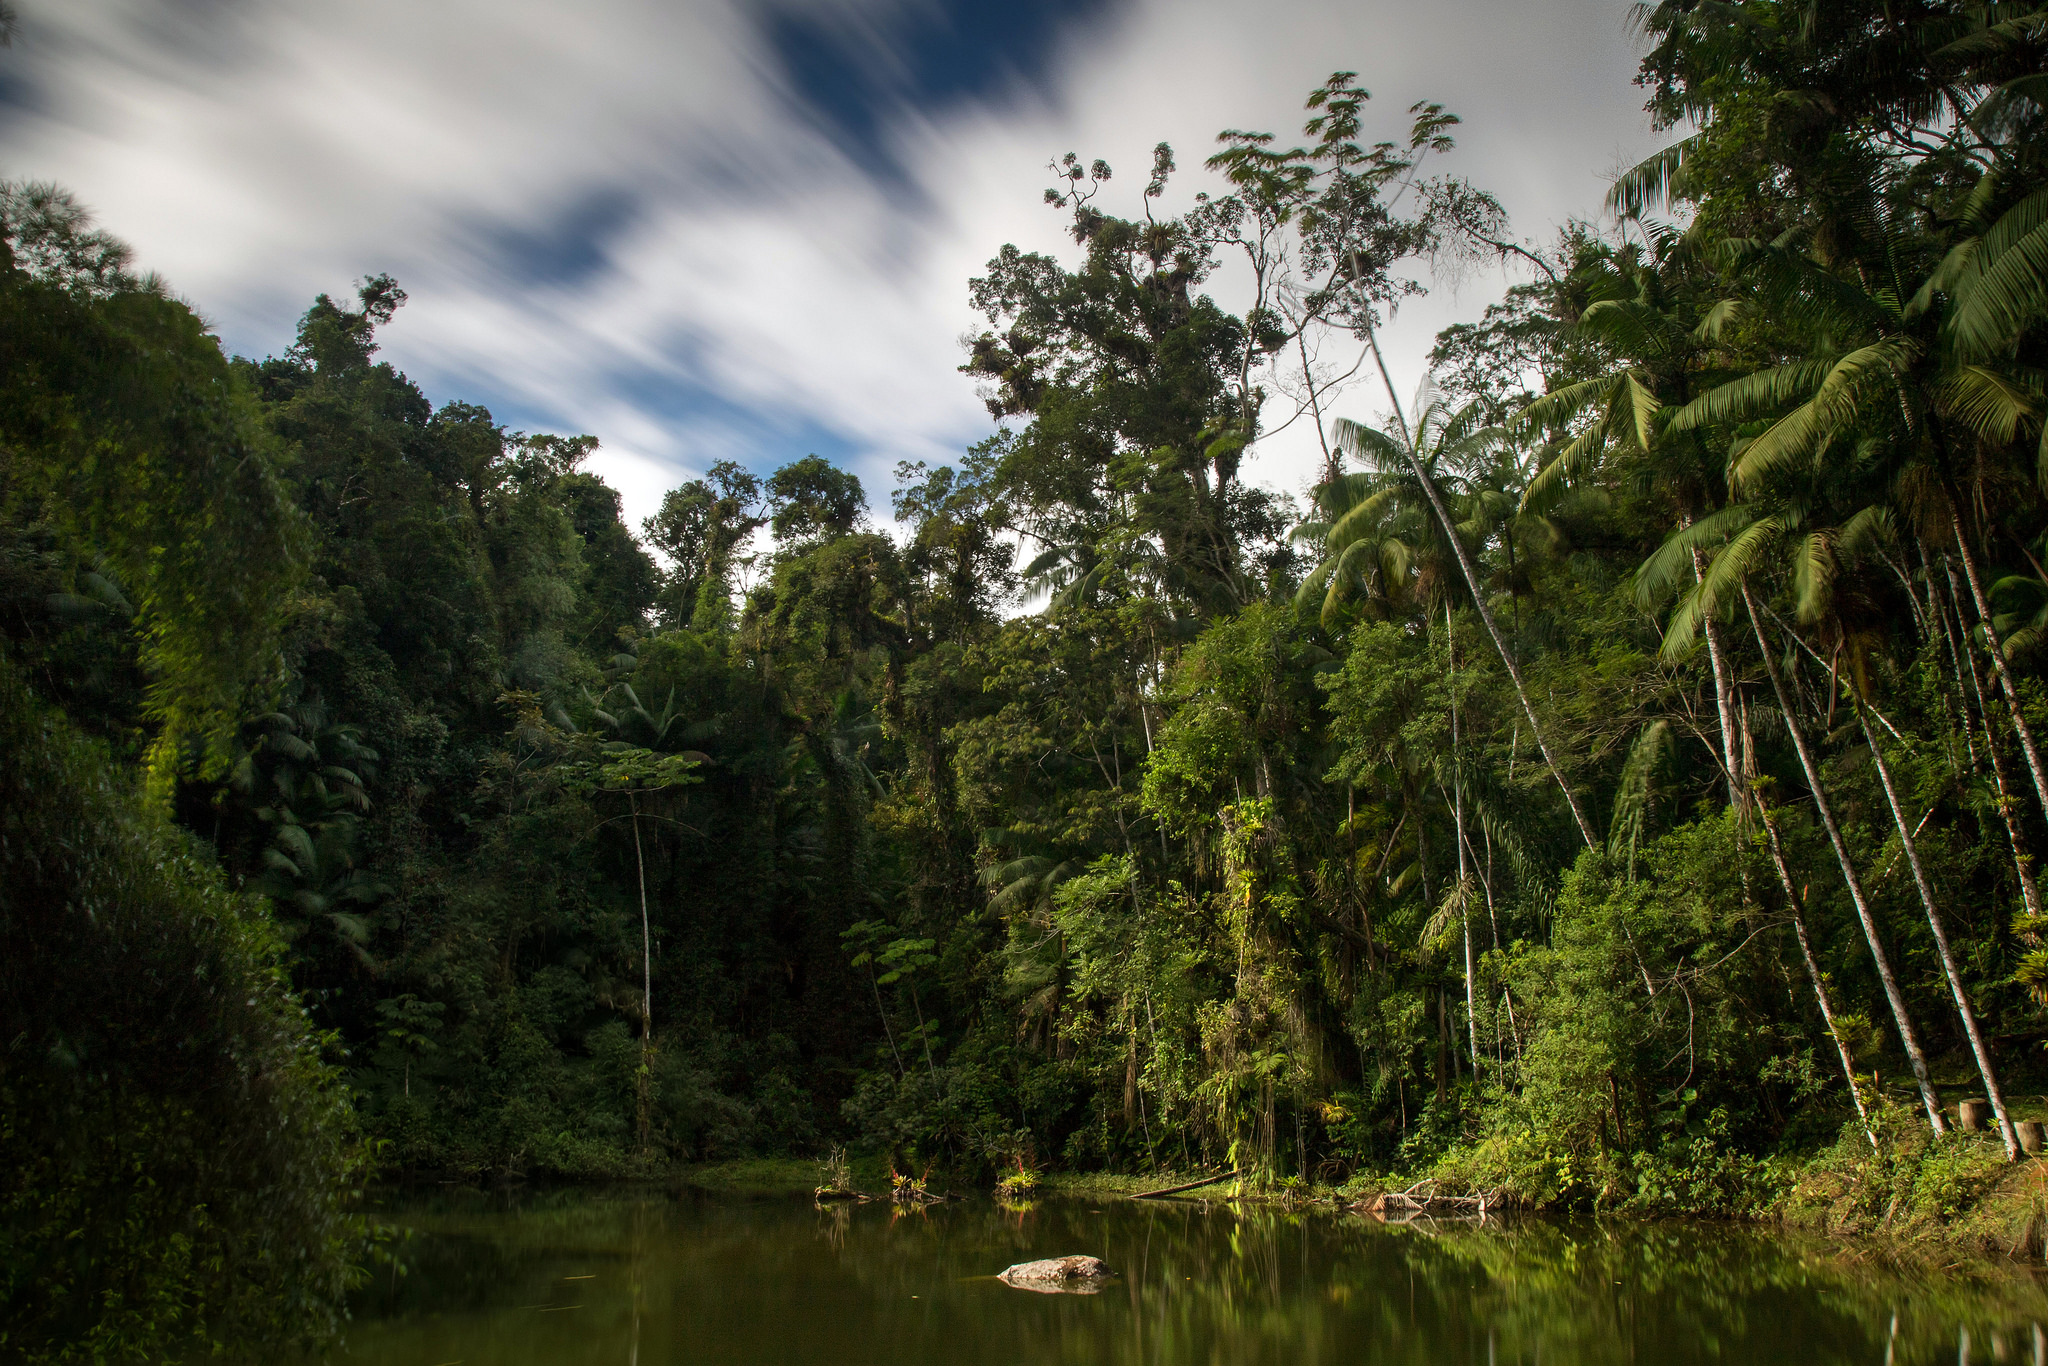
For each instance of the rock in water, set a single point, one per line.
(1059, 1275)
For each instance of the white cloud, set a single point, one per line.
(763, 286)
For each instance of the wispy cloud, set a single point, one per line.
(713, 229)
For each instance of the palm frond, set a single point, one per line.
(1717, 319)
(1643, 408)
(1561, 405)
(1672, 563)
(1815, 567)
(1654, 182)
(1988, 403)
(1722, 580)
(1637, 791)
(1368, 444)
(1752, 395)
(1833, 407)
(1551, 482)
(2009, 287)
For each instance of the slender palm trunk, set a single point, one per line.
(1724, 703)
(2008, 802)
(1730, 727)
(1908, 1038)
(1820, 986)
(1948, 960)
(646, 982)
(1997, 652)
(1956, 654)
(1464, 853)
(1478, 593)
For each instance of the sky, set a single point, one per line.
(743, 229)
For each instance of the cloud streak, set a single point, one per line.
(653, 222)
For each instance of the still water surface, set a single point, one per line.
(576, 1279)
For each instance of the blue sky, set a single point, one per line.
(707, 229)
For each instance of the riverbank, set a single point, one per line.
(1913, 1196)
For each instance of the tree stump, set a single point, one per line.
(1973, 1116)
(2033, 1137)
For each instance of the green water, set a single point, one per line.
(569, 1278)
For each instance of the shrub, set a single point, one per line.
(176, 1158)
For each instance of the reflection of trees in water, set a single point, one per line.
(744, 1281)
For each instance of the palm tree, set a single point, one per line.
(1383, 543)
(1888, 371)
(1643, 310)
(637, 770)
(1435, 435)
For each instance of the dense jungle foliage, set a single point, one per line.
(1620, 770)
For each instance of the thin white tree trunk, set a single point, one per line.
(1724, 703)
(1948, 960)
(1997, 653)
(1473, 586)
(1820, 987)
(1464, 853)
(2022, 859)
(1908, 1038)
(646, 978)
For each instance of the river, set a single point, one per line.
(576, 1278)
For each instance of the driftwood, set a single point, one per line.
(1400, 1206)
(1192, 1185)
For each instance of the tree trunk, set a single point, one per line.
(1724, 703)
(1472, 585)
(2022, 859)
(1820, 987)
(1893, 996)
(646, 983)
(1948, 961)
(1464, 852)
(1997, 652)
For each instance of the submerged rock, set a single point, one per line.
(1059, 1275)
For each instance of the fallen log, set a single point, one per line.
(1410, 1203)
(1192, 1185)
